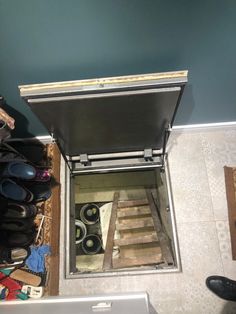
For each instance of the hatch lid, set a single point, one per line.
(108, 115)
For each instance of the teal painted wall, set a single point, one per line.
(54, 40)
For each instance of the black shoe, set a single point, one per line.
(13, 224)
(12, 239)
(222, 287)
(18, 211)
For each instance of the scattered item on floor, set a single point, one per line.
(12, 255)
(39, 237)
(22, 296)
(33, 292)
(19, 170)
(3, 292)
(13, 286)
(223, 287)
(26, 277)
(230, 184)
(36, 260)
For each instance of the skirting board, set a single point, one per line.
(204, 127)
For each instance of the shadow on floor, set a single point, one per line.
(151, 309)
(229, 308)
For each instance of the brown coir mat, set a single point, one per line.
(230, 184)
(51, 225)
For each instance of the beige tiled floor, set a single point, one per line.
(196, 161)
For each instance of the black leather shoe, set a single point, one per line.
(223, 287)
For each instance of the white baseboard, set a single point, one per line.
(204, 126)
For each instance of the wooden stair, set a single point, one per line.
(141, 240)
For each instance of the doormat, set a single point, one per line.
(51, 223)
(230, 184)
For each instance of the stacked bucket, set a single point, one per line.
(89, 242)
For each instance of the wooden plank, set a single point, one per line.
(230, 184)
(163, 239)
(124, 234)
(134, 211)
(133, 203)
(140, 261)
(136, 240)
(144, 222)
(107, 262)
(140, 250)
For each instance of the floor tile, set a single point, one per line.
(229, 266)
(199, 250)
(189, 180)
(219, 149)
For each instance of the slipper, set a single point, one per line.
(19, 170)
(40, 191)
(17, 239)
(12, 255)
(16, 224)
(10, 189)
(17, 210)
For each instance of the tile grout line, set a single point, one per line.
(201, 136)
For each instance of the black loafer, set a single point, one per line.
(12, 239)
(223, 287)
(17, 210)
(13, 224)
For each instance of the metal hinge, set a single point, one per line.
(84, 160)
(148, 154)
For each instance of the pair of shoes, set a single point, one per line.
(24, 171)
(24, 193)
(223, 287)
